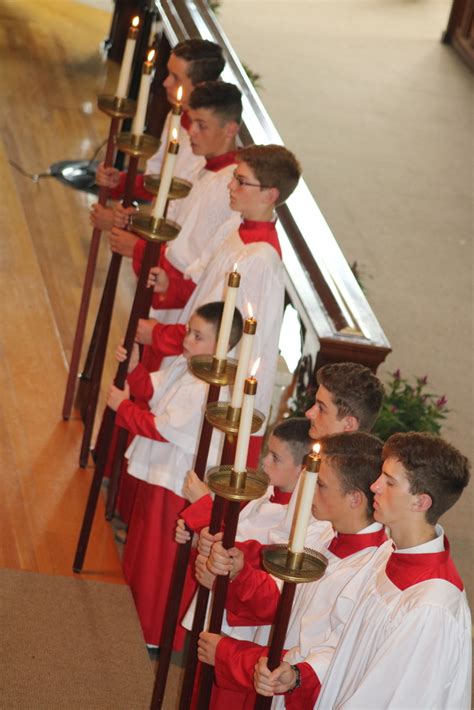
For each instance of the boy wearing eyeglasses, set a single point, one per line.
(265, 176)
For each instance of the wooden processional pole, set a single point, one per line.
(159, 231)
(117, 109)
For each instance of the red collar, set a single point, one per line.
(281, 497)
(345, 544)
(218, 162)
(406, 570)
(185, 121)
(251, 231)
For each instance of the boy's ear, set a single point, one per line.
(231, 129)
(357, 499)
(271, 195)
(351, 423)
(422, 502)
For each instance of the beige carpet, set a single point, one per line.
(70, 643)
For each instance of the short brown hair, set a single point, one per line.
(355, 391)
(205, 60)
(295, 433)
(432, 466)
(356, 457)
(212, 313)
(225, 100)
(273, 166)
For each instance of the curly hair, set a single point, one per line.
(355, 391)
(432, 466)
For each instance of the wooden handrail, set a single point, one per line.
(319, 281)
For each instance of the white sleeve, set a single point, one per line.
(425, 662)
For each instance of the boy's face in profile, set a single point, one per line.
(245, 197)
(208, 134)
(177, 76)
(323, 416)
(279, 465)
(393, 502)
(330, 502)
(200, 338)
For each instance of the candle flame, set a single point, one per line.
(249, 309)
(235, 267)
(317, 448)
(135, 21)
(179, 94)
(255, 367)
(151, 55)
(174, 134)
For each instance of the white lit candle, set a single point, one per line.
(140, 115)
(159, 204)
(245, 424)
(124, 76)
(227, 315)
(176, 113)
(246, 345)
(305, 500)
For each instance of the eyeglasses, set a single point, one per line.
(241, 182)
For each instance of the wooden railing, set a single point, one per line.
(337, 321)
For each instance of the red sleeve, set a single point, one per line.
(178, 293)
(167, 338)
(140, 383)
(198, 514)
(137, 421)
(234, 663)
(252, 598)
(252, 550)
(304, 697)
(139, 191)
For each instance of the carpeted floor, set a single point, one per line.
(70, 643)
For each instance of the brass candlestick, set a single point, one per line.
(237, 486)
(214, 371)
(116, 107)
(154, 230)
(143, 146)
(226, 418)
(179, 188)
(297, 567)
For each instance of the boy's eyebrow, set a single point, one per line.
(388, 475)
(321, 403)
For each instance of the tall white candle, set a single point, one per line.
(124, 76)
(305, 500)
(140, 115)
(246, 345)
(176, 113)
(159, 204)
(227, 315)
(245, 425)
